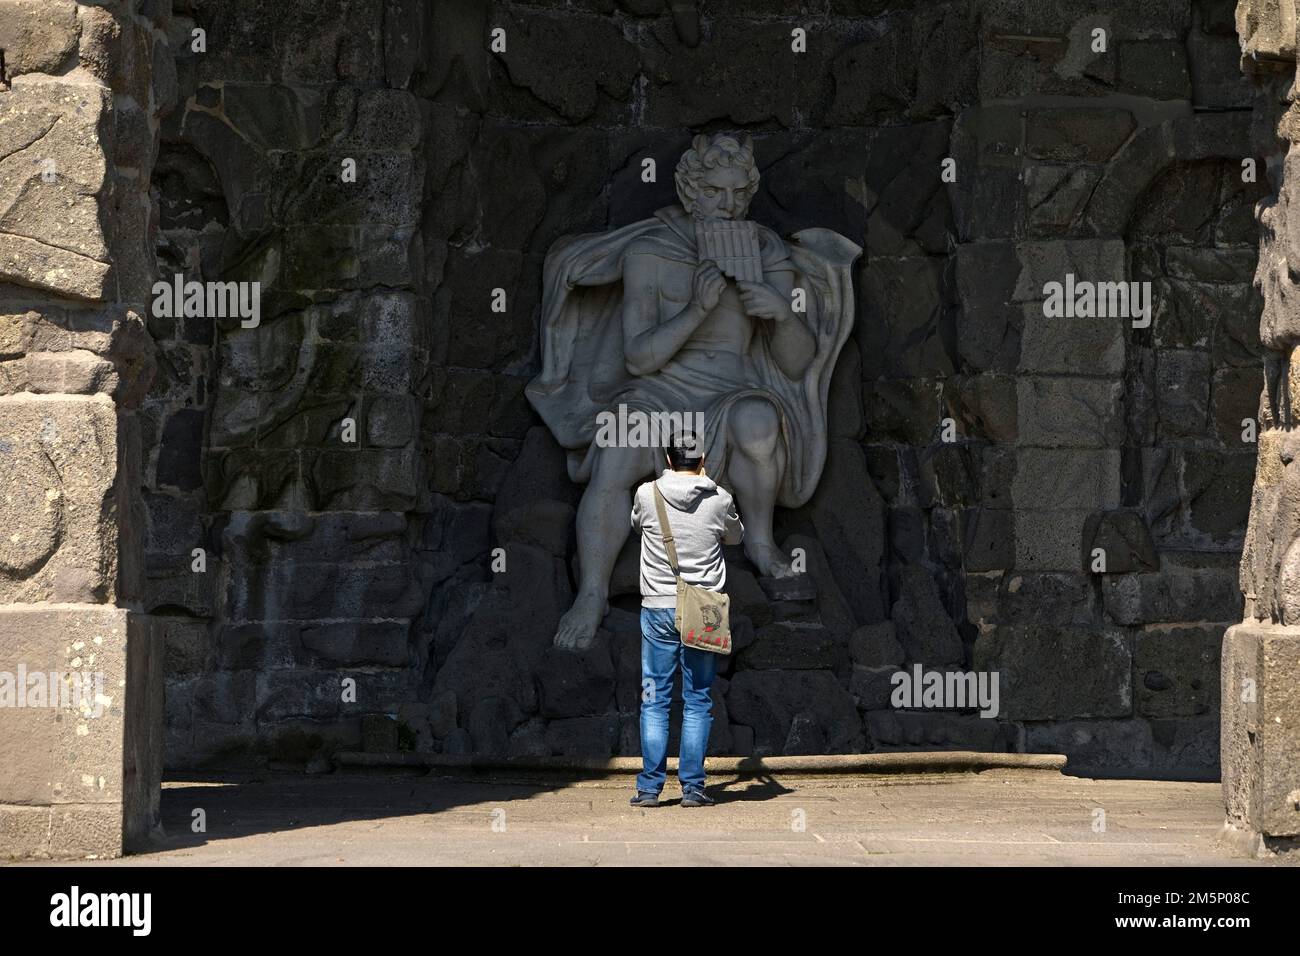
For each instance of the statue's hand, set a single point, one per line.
(707, 285)
(762, 301)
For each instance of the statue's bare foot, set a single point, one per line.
(769, 559)
(578, 626)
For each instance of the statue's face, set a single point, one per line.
(722, 193)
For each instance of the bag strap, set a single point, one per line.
(666, 530)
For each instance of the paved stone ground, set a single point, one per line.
(996, 817)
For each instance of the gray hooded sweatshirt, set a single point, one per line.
(703, 518)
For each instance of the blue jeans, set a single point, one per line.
(661, 652)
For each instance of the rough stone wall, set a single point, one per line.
(1260, 670)
(79, 102)
(330, 560)
(315, 566)
(1076, 434)
(1271, 595)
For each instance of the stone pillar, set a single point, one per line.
(1260, 729)
(80, 673)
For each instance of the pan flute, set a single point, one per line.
(732, 244)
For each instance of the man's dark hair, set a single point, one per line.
(685, 452)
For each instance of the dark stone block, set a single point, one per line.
(998, 466)
(769, 700)
(1124, 540)
(359, 642)
(910, 215)
(577, 683)
(910, 730)
(945, 543)
(1180, 202)
(251, 645)
(1095, 747)
(1186, 748)
(1182, 392)
(1061, 412)
(473, 342)
(808, 181)
(990, 539)
(1140, 418)
(805, 737)
(1218, 486)
(1235, 395)
(924, 627)
(687, 86)
(910, 332)
(181, 449)
(876, 78)
(952, 469)
(173, 586)
(1177, 671)
(583, 736)
(903, 410)
(1043, 598)
(529, 740)
(797, 587)
(876, 645)
(990, 323)
(794, 648)
(1058, 673)
(984, 406)
(365, 479)
(225, 697)
(1175, 593)
(378, 734)
(538, 77)
(491, 723)
(1077, 135)
(186, 646)
(1055, 197)
(1154, 68)
(1019, 63)
(882, 465)
(988, 198)
(742, 634)
(872, 687)
(1161, 491)
(907, 534)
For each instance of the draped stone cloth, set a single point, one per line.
(584, 369)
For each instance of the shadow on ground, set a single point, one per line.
(233, 806)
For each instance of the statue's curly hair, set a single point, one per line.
(709, 152)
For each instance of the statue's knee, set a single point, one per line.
(756, 426)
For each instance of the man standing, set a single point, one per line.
(702, 517)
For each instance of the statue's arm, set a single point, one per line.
(793, 344)
(649, 344)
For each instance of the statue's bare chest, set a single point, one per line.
(726, 327)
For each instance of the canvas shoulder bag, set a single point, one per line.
(702, 615)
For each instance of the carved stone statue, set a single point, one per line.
(702, 312)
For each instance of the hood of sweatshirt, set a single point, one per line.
(683, 491)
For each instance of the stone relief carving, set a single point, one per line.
(698, 311)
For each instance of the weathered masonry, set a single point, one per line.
(290, 525)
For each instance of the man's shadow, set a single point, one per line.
(744, 788)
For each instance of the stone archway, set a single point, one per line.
(1261, 656)
(140, 438)
(81, 721)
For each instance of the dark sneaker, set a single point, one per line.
(644, 799)
(696, 798)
